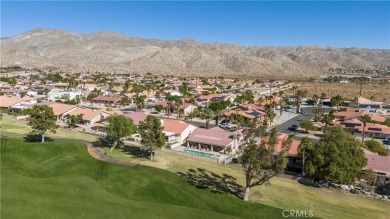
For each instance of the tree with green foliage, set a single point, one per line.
(299, 95)
(337, 157)
(306, 143)
(317, 113)
(387, 122)
(152, 134)
(139, 102)
(307, 125)
(158, 107)
(125, 101)
(336, 101)
(375, 146)
(73, 120)
(118, 128)
(177, 102)
(365, 119)
(327, 119)
(315, 99)
(94, 93)
(42, 119)
(218, 107)
(260, 162)
(207, 114)
(245, 96)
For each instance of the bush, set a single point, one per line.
(375, 146)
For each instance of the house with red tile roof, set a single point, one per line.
(214, 139)
(106, 99)
(371, 130)
(352, 114)
(90, 116)
(176, 130)
(378, 164)
(137, 117)
(60, 109)
(294, 159)
(7, 102)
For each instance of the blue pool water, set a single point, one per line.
(199, 153)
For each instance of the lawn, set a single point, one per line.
(282, 193)
(59, 179)
(63, 168)
(18, 128)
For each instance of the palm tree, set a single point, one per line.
(323, 95)
(207, 114)
(315, 99)
(336, 100)
(306, 143)
(356, 100)
(282, 104)
(177, 101)
(365, 119)
(299, 95)
(269, 114)
(139, 101)
(327, 119)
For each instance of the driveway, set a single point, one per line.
(309, 114)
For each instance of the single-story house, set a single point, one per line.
(380, 165)
(176, 130)
(90, 116)
(137, 117)
(215, 139)
(106, 99)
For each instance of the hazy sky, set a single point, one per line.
(336, 24)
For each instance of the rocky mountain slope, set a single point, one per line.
(114, 52)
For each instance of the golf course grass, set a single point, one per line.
(59, 179)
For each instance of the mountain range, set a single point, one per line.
(118, 53)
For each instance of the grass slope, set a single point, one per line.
(282, 193)
(59, 179)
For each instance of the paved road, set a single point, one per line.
(283, 128)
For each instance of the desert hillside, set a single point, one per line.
(114, 52)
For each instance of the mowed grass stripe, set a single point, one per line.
(59, 179)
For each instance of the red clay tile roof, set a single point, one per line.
(215, 136)
(9, 101)
(174, 126)
(87, 113)
(137, 117)
(378, 163)
(60, 108)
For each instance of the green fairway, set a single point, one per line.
(282, 193)
(60, 179)
(19, 128)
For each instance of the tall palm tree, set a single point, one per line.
(336, 100)
(139, 101)
(300, 94)
(365, 119)
(207, 114)
(306, 143)
(177, 102)
(315, 99)
(323, 95)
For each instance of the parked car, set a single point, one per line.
(293, 127)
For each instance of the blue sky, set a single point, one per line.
(335, 24)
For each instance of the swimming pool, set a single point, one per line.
(199, 153)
